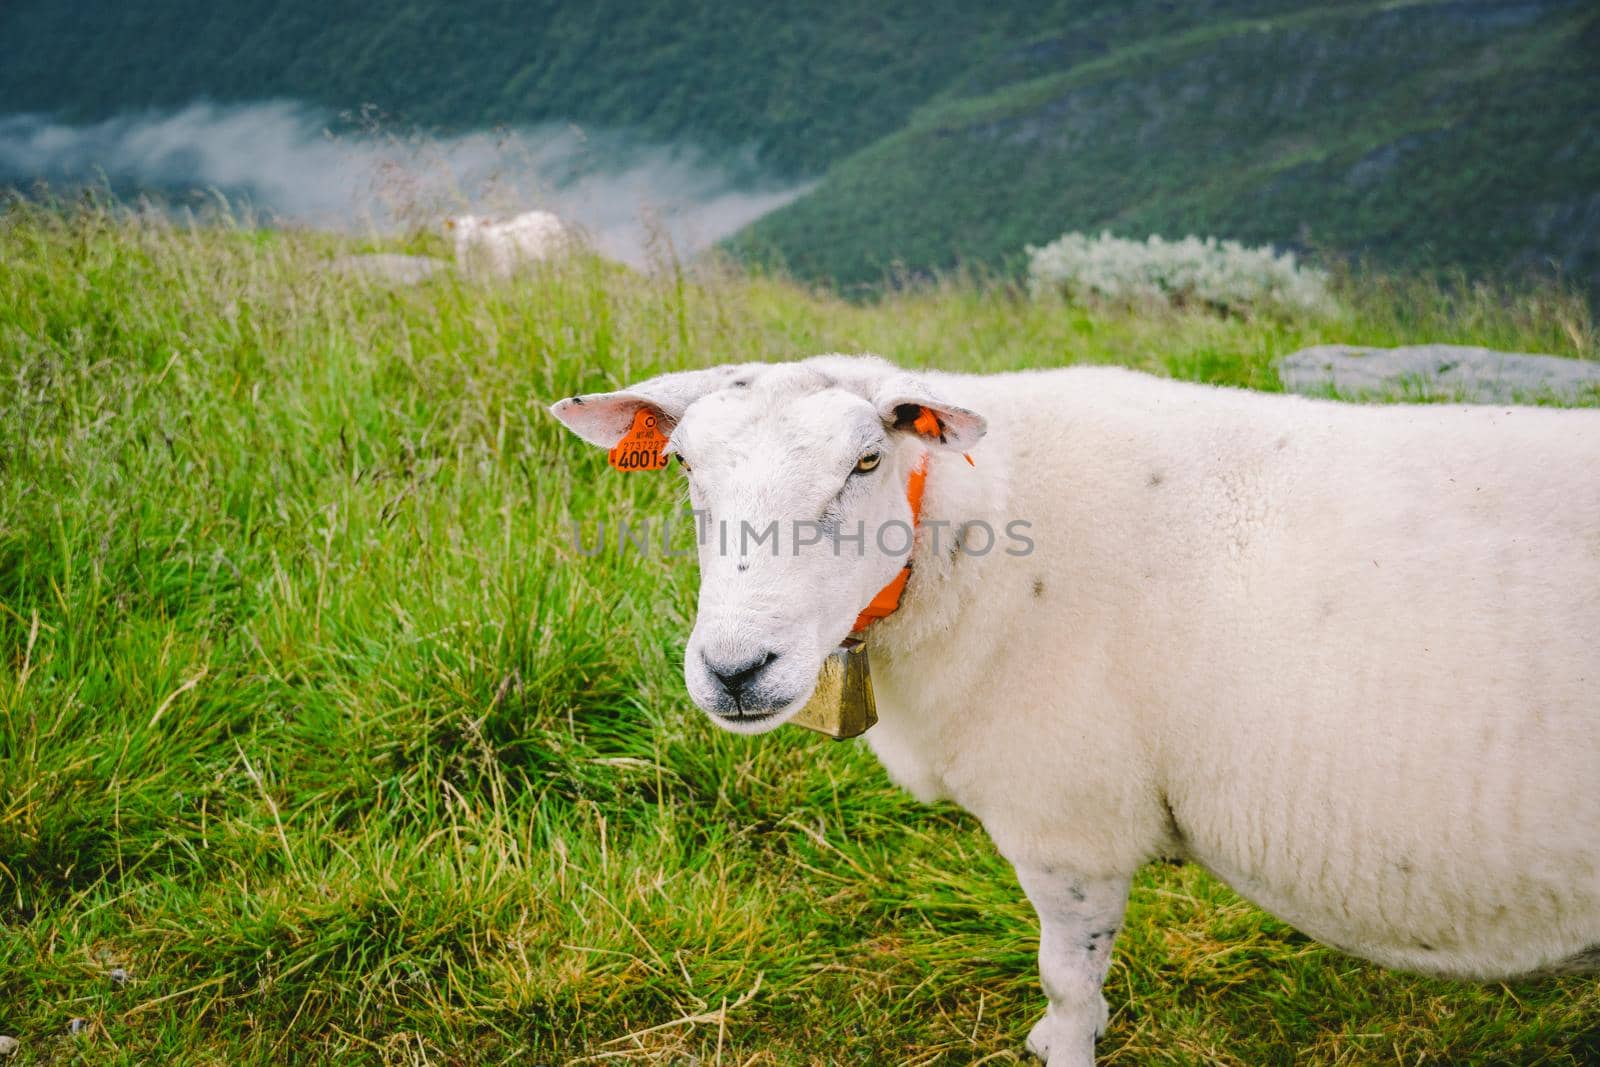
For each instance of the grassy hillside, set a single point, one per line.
(318, 741)
(1419, 133)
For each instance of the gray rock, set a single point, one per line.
(388, 267)
(1456, 372)
(8, 1044)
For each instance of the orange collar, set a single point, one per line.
(888, 599)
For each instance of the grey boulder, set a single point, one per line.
(1456, 372)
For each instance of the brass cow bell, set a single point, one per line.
(842, 705)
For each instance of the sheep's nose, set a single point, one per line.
(735, 678)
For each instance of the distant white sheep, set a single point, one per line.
(1345, 657)
(500, 247)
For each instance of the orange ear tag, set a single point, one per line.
(928, 425)
(640, 448)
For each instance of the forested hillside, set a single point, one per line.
(804, 83)
(1420, 133)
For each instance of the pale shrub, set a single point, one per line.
(1224, 276)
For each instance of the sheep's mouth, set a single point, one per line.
(749, 723)
(753, 718)
(761, 705)
(746, 716)
(759, 709)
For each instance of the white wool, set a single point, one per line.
(1346, 657)
(500, 247)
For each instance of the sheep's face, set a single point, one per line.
(791, 493)
(797, 474)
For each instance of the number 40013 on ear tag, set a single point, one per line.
(640, 448)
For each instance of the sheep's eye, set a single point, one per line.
(868, 461)
(681, 461)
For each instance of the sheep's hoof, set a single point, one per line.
(1062, 1040)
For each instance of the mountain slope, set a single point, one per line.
(1439, 133)
(1422, 135)
(805, 84)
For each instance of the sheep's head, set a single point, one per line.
(460, 225)
(786, 463)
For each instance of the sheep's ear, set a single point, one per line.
(603, 418)
(910, 408)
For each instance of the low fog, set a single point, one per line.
(281, 160)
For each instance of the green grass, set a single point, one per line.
(313, 722)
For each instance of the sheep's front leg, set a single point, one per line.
(1078, 920)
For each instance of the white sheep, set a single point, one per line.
(500, 247)
(1346, 657)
